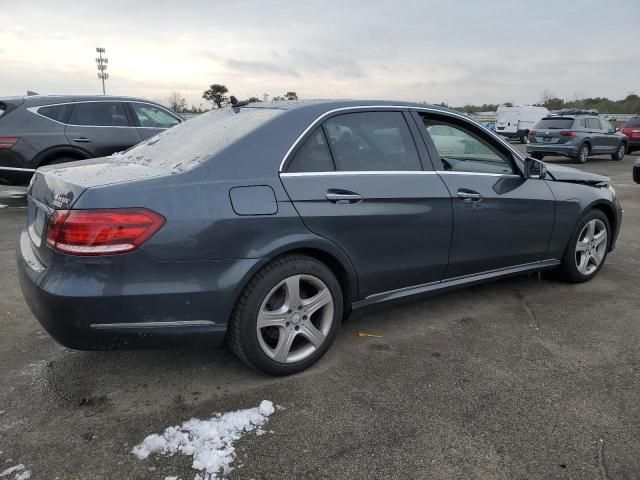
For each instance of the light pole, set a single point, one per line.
(101, 63)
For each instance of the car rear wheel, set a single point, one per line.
(583, 154)
(619, 155)
(288, 316)
(587, 249)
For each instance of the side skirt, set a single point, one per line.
(453, 283)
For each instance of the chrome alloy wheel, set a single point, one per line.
(295, 318)
(591, 246)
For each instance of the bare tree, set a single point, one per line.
(176, 102)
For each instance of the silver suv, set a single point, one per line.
(43, 130)
(576, 135)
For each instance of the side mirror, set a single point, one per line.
(534, 168)
(636, 171)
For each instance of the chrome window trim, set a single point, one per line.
(358, 172)
(35, 111)
(449, 172)
(321, 118)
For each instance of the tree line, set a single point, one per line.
(217, 94)
(630, 104)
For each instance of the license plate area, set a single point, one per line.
(37, 223)
(546, 139)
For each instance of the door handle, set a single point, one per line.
(342, 197)
(469, 195)
(82, 140)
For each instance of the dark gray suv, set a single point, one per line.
(43, 130)
(268, 223)
(577, 136)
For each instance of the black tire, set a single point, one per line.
(619, 155)
(242, 334)
(537, 156)
(568, 268)
(583, 154)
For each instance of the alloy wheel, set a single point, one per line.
(591, 246)
(584, 154)
(295, 318)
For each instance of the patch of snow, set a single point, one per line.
(3, 206)
(26, 475)
(210, 442)
(10, 470)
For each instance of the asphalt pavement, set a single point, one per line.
(517, 379)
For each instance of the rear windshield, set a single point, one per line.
(633, 122)
(555, 123)
(190, 143)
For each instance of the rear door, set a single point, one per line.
(358, 181)
(611, 138)
(500, 218)
(598, 136)
(101, 128)
(151, 119)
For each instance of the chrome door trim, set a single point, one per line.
(322, 117)
(186, 323)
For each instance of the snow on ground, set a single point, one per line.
(16, 468)
(210, 442)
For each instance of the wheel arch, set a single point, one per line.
(323, 251)
(52, 153)
(609, 212)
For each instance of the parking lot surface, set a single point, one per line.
(517, 379)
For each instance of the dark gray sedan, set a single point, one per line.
(268, 224)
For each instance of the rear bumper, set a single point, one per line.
(94, 304)
(564, 150)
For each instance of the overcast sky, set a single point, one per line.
(453, 51)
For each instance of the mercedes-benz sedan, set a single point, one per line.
(266, 224)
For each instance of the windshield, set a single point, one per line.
(554, 123)
(190, 143)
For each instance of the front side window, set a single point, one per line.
(313, 156)
(59, 113)
(464, 150)
(372, 141)
(152, 116)
(103, 114)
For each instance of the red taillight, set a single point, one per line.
(7, 142)
(533, 133)
(568, 133)
(101, 232)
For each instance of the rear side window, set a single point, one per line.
(153, 117)
(554, 123)
(103, 114)
(583, 122)
(3, 108)
(59, 113)
(314, 156)
(633, 122)
(594, 123)
(372, 141)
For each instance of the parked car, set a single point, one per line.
(516, 122)
(632, 130)
(48, 129)
(268, 224)
(577, 136)
(489, 126)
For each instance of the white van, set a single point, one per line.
(515, 122)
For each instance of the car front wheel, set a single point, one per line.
(288, 315)
(587, 249)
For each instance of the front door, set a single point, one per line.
(500, 218)
(101, 128)
(358, 181)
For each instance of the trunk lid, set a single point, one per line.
(58, 187)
